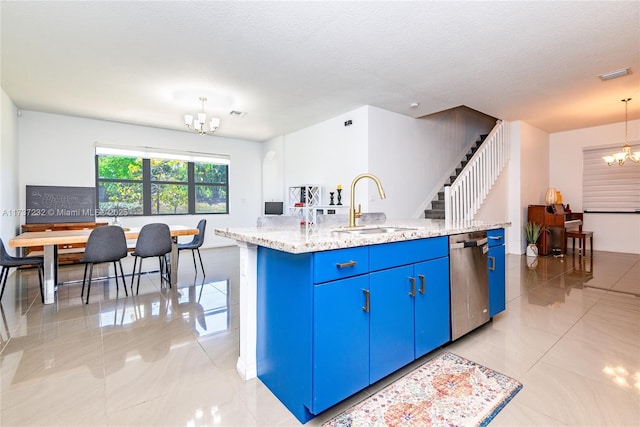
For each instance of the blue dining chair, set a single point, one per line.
(194, 245)
(7, 262)
(105, 244)
(154, 240)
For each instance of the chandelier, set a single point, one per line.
(625, 154)
(199, 123)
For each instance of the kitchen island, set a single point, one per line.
(326, 311)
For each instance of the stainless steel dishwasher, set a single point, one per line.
(469, 282)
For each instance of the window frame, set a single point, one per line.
(146, 155)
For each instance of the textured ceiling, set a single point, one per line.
(290, 65)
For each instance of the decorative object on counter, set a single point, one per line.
(558, 197)
(339, 190)
(624, 155)
(551, 197)
(532, 233)
(331, 203)
(446, 390)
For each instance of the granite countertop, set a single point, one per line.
(315, 238)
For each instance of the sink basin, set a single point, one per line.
(375, 230)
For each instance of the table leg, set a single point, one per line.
(50, 273)
(174, 261)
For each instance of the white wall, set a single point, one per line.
(9, 221)
(59, 150)
(528, 172)
(329, 154)
(612, 232)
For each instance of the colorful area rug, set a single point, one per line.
(445, 391)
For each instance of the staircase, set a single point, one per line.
(437, 205)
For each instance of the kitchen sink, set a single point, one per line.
(374, 230)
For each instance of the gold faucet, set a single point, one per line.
(352, 210)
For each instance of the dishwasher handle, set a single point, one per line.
(469, 244)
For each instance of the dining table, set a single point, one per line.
(50, 240)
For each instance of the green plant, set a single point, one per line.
(532, 232)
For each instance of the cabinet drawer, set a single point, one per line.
(411, 251)
(340, 263)
(496, 237)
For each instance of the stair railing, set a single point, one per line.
(463, 198)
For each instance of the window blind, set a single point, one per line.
(609, 188)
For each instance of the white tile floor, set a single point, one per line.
(570, 334)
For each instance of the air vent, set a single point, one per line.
(237, 113)
(615, 74)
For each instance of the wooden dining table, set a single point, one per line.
(50, 240)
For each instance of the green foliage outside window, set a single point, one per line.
(136, 186)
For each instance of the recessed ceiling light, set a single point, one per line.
(615, 74)
(237, 113)
(414, 104)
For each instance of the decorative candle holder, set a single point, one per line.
(339, 190)
(331, 203)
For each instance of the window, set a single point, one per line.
(609, 188)
(154, 182)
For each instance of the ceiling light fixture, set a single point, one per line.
(625, 154)
(615, 74)
(198, 125)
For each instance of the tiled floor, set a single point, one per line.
(570, 334)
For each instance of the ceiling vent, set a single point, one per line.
(615, 74)
(237, 113)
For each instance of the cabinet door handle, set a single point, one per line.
(495, 237)
(421, 276)
(492, 267)
(413, 286)
(366, 301)
(346, 264)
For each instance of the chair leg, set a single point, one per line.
(115, 273)
(133, 275)
(3, 277)
(124, 284)
(193, 254)
(139, 274)
(84, 279)
(89, 284)
(201, 264)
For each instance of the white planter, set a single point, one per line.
(532, 250)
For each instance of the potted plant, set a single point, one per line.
(532, 232)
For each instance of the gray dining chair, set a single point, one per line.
(154, 240)
(105, 244)
(195, 244)
(7, 262)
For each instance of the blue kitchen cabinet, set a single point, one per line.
(330, 323)
(497, 273)
(340, 340)
(409, 303)
(432, 309)
(392, 321)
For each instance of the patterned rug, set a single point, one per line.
(445, 391)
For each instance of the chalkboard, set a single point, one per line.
(60, 204)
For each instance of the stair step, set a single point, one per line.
(440, 195)
(437, 205)
(434, 214)
(458, 170)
